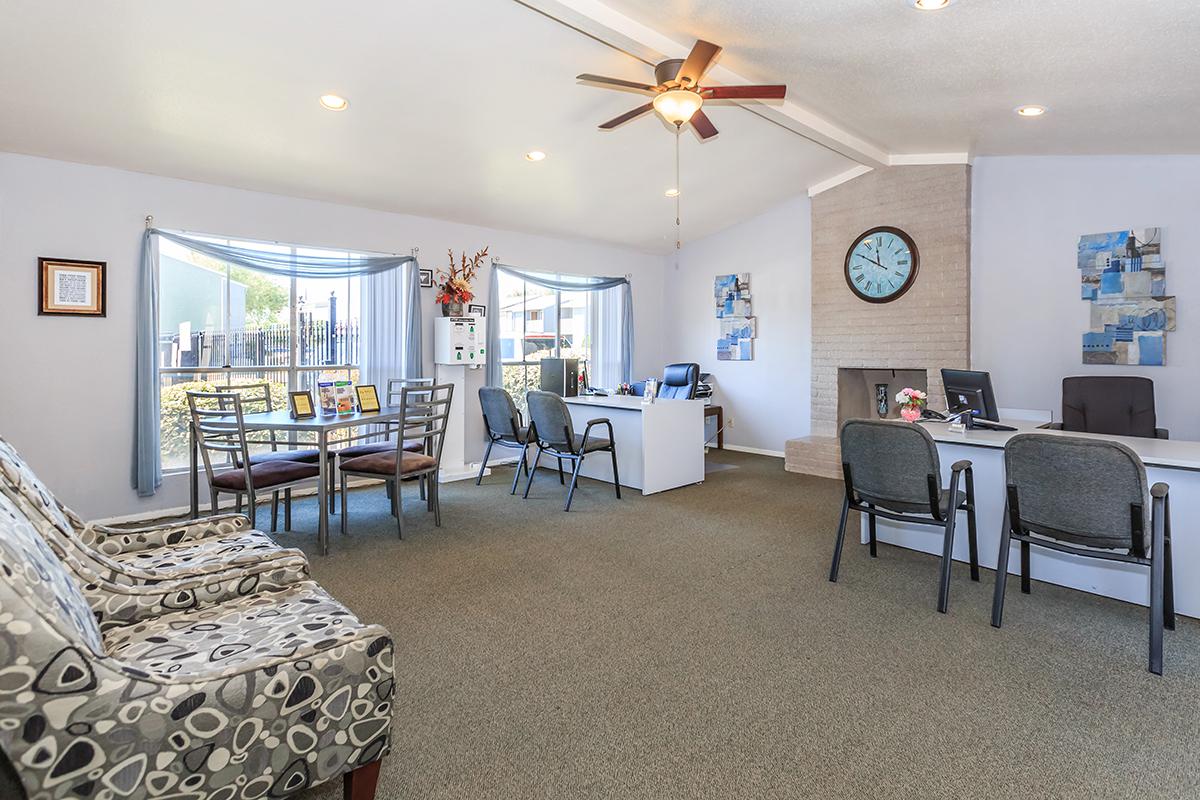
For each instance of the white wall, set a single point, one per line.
(1026, 316)
(66, 384)
(768, 398)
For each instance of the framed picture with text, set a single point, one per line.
(368, 397)
(68, 287)
(301, 405)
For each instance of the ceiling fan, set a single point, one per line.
(678, 94)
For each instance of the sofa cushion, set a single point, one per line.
(266, 625)
(17, 475)
(193, 557)
(28, 562)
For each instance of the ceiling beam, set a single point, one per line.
(604, 24)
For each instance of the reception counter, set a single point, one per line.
(660, 446)
(1175, 463)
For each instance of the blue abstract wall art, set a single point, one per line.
(731, 298)
(1124, 277)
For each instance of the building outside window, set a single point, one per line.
(537, 323)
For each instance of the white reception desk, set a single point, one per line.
(660, 446)
(1175, 463)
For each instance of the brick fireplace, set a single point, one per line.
(926, 329)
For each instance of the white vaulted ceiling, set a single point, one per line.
(446, 97)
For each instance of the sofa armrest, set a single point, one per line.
(114, 541)
(1051, 426)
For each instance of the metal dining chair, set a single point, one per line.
(219, 425)
(1087, 497)
(256, 397)
(424, 413)
(892, 470)
(554, 433)
(394, 388)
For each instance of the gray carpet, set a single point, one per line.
(689, 645)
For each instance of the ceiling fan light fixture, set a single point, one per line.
(677, 106)
(334, 102)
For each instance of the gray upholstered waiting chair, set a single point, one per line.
(1087, 497)
(424, 413)
(555, 434)
(891, 470)
(220, 429)
(503, 424)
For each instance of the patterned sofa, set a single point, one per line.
(130, 574)
(191, 662)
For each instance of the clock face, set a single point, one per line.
(881, 264)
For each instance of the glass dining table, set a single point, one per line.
(323, 427)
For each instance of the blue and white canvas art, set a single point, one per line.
(731, 299)
(1124, 277)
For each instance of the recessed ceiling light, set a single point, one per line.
(672, 193)
(535, 155)
(929, 5)
(334, 102)
(1030, 110)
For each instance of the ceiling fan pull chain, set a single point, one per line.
(678, 188)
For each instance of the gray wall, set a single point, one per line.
(79, 432)
(1027, 317)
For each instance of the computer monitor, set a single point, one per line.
(968, 390)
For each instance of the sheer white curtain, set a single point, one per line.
(607, 326)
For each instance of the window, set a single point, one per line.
(224, 325)
(539, 323)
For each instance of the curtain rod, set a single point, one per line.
(150, 224)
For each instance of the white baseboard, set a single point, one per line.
(224, 503)
(758, 451)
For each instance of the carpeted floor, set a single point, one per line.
(689, 645)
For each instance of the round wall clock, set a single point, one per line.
(882, 264)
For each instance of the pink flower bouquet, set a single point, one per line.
(911, 401)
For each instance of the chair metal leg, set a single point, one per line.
(837, 542)
(943, 603)
(287, 510)
(574, 481)
(253, 509)
(274, 511)
(422, 486)
(1157, 578)
(345, 509)
(616, 475)
(561, 482)
(871, 531)
(237, 502)
(517, 472)
(973, 542)
(1001, 570)
(483, 465)
(436, 493)
(533, 472)
(399, 509)
(1169, 570)
(332, 494)
(1025, 568)
(214, 500)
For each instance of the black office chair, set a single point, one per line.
(679, 381)
(554, 432)
(1117, 405)
(1087, 497)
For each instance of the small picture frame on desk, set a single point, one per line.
(301, 405)
(368, 397)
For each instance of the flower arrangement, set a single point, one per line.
(911, 401)
(454, 284)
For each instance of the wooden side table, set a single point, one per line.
(719, 413)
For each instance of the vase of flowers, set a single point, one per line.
(911, 401)
(454, 283)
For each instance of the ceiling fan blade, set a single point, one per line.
(774, 92)
(698, 62)
(628, 115)
(600, 79)
(703, 125)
